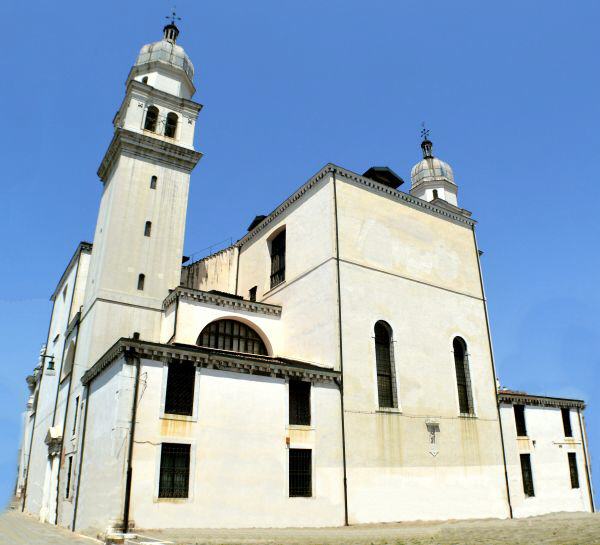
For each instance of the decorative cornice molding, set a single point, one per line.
(211, 359)
(146, 147)
(541, 401)
(220, 300)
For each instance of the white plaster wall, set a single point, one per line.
(239, 470)
(548, 448)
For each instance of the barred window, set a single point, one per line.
(520, 420)
(232, 335)
(566, 418)
(278, 259)
(151, 119)
(300, 472)
(573, 470)
(463, 379)
(527, 475)
(174, 471)
(299, 402)
(386, 384)
(179, 398)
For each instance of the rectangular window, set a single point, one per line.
(520, 420)
(566, 418)
(573, 470)
(252, 293)
(300, 472)
(278, 259)
(174, 471)
(527, 475)
(299, 393)
(179, 398)
(69, 470)
(75, 416)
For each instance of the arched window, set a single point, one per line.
(171, 125)
(151, 119)
(463, 379)
(153, 181)
(232, 335)
(148, 229)
(386, 384)
(141, 280)
(435, 193)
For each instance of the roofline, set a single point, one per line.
(209, 358)
(547, 401)
(330, 168)
(81, 247)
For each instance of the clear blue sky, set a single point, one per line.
(509, 89)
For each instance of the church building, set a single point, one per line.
(333, 366)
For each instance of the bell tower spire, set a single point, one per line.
(170, 31)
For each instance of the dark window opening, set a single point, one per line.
(386, 387)
(75, 416)
(300, 473)
(141, 281)
(148, 229)
(520, 420)
(252, 293)
(151, 119)
(145, 79)
(179, 397)
(69, 471)
(566, 419)
(278, 259)
(174, 471)
(171, 125)
(435, 193)
(527, 475)
(573, 470)
(136, 336)
(232, 335)
(153, 181)
(463, 380)
(299, 402)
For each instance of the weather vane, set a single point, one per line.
(424, 131)
(173, 16)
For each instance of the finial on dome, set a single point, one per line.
(426, 145)
(170, 31)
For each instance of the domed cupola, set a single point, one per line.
(165, 65)
(432, 178)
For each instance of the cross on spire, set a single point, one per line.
(426, 145)
(173, 16)
(424, 131)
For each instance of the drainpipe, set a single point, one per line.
(127, 500)
(489, 335)
(340, 383)
(237, 268)
(586, 459)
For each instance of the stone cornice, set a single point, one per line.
(367, 182)
(219, 300)
(152, 65)
(541, 401)
(211, 359)
(82, 247)
(145, 147)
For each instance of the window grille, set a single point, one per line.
(174, 471)
(463, 379)
(566, 418)
(386, 384)
(232, 335)
(171, 125)
(69, 471)
(300, 472)
(278, 259)
(299, 402)
(527, 475)
(153, 181)
(573, 470)
(179, 397)
(151, 119)
(520, 420)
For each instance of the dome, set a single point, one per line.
(431, 169)
(168, 52)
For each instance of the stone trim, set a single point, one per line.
(142, 146)
(211, 359)
(372, 184)
(540, 401)
(219, 300)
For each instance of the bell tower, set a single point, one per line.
(138, 242)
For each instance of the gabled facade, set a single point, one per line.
(333, 366)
